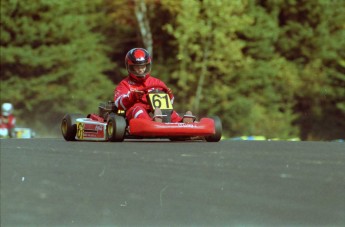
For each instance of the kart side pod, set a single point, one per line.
(77, 127)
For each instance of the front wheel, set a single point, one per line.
(69, 126)
(116, 128)
(218, 130)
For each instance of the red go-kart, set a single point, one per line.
(111, 125)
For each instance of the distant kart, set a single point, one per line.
(19, 133)
(111, 124)
(24, 133)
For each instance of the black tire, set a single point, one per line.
(69, 126)
(116, 128)
(218, 128)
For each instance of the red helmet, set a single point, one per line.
(138, 57)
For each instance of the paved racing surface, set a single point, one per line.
(50, 182)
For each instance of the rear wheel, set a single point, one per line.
(218, 130)
(69, 126)
(116, 128)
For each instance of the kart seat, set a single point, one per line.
(105, 108)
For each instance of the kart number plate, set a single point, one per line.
(161, 101)
(80, 130)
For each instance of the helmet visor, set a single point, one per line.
(140, 70)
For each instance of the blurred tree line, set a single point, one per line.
(267, 67)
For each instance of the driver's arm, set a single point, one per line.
(124, 98)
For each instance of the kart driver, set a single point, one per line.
(128, 97)
(7, 120)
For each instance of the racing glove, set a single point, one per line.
(135, 95)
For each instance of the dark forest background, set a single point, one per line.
(274, 68)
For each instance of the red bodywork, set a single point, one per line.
(93, 127)
(142, 127)
(96, 118)
(93, 131)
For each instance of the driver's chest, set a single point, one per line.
(136, 86)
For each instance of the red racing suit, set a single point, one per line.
(139, 108)
(7, 125)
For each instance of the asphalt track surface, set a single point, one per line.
(51, 182)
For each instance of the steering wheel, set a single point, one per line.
(147, 88)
